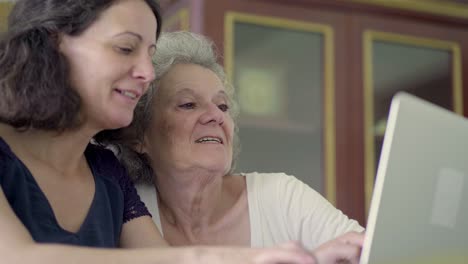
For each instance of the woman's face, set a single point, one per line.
(191, 127)
(110, 63)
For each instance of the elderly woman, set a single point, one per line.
(180, 150)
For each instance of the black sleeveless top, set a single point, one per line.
(115, 201)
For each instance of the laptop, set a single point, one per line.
(419, 208)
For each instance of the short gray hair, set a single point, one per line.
(173, 48)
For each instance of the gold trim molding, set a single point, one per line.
(5, 9)
(329, 77)
(436, 7)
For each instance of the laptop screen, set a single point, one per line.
(419, 208)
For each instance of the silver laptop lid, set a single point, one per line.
(419, 208)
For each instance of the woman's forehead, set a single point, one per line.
(186, 79)
(134, 17)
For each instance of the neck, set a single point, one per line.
(61, 151)
(192, 202)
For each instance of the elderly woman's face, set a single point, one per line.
(191, 126)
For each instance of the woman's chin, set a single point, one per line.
(219, 167)
(120, 122)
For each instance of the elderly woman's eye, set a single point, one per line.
(187, 105)
(223, 107)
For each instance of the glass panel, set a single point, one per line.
(424, 72)
(278, 77)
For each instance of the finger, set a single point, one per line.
(353, 238)
(338, 251)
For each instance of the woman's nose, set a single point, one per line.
(143, 69)
(213, 115)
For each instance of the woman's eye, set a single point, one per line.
(125, 50)
(223, 107)
(187, 106)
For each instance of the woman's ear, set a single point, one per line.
(61, 40)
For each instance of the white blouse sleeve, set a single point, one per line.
(312, 219)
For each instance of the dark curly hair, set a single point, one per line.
(35, 91)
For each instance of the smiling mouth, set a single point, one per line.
(209, 140)
(129, 94)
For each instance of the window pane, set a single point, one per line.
(278, 75)
(424, 72)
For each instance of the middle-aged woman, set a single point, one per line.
(180, 150)
(68, 70)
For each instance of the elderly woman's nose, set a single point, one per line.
(212, 114)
